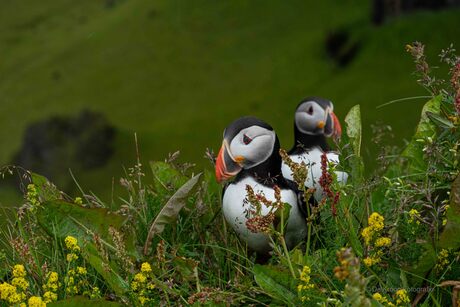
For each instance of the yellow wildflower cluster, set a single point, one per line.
(414, 216)
(32, 196)
(375, 258)
(401, 297)
(71, 244)
(76, 281)
(35, 301)
(382, 300)
(51, 287)
(443, 260)
(19, 274)
(305, 283)
(14, 293)
(375, 226)
(382, 242)
(143, 284)
(9, 294)
(146, 268)
(372, 238)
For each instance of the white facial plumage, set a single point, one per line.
(255, 144)
(308, 115)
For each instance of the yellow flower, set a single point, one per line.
(414, 215)
(35, 301)
(19, 271)
(375, 221)
(49, 297)
(72, 243)
(16, 298)
(20, 282)
(368, 261)
(146, 268)
(71, 257)
(151, 286)
(6, 290)
(367, 235)
(374, 259)
(52, 277)
(401, 297)
(140, 278)
(81, 270)
(375, 225)
(378, 297)
(78, 201)
(305, 283)
(51, 287)
(305, 274)
(143, 300)
(382, 241)
(443, 260)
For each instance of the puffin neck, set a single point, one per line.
(267, 173)
(304, 142)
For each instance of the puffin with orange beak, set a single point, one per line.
(314, 122)
(250, 153)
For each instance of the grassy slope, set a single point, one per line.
(178, 72)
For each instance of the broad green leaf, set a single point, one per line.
(186, 267)
(276, 283)
(450, 237)
(353, 121)
(440, 120)
(46, 190)
(353, 139)
(424, 264)
(109, 271)
(352, 233)
(166, 178)
(414, 150)
(78, 301)
(171, 209)
(61, 219)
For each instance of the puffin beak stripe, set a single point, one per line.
(226, 166)
(337, 127)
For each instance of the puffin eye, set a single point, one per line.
(246, 139)
(310, 110)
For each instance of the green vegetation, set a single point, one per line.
(388, 240)
(177, 72)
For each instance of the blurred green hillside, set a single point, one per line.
(177, 72)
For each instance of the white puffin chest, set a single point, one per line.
(312, 159)
(235, 209)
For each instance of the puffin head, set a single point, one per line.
(248, 142)
(315, 116)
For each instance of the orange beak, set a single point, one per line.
(337, 127)
(226, 166)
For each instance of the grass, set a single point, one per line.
(164, 241)
(177, 72)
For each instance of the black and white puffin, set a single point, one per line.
(250, 151)
(314, 121)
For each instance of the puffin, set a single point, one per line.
(314, 122)
(250, 155)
